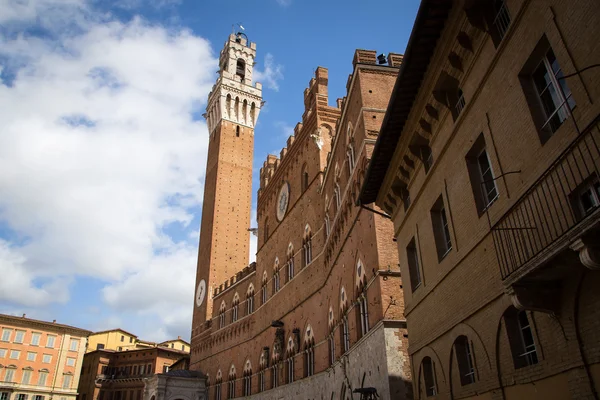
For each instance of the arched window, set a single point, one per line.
(290, 262)
(237, 131)
(345, 334)
(520, 338)
(331, 339)
(240, 69)
(263, 289)
(464, 359)
(309, 352)
(222, 310)
(263, 365)
(250, 300)
(247, 388)
(276, 281)
(363, 313)
(307, 246)
(235, 308)
(327, 225)
(351, 159)
(304, 178)
(231, 383)
(289, 361)
(428, 371)
(218, 383)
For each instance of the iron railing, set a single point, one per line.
(551, 206)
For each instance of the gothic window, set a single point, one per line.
(266, 230)
(345, 334)
(247, 381)
(218, 383)
(263, 365)
(351, 159)
(338, 196)
(222, 315)
(250, 300)
(237, 131)
(289, 368)
(327, 225)
(290, 262)
(275, 376)
(276, 281)
(263, 289)
(231, 383)
(235, 308)
(363, 313)
(309, 352)
(307, 246)
(464, 359)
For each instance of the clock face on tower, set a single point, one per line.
(200, 293)
(282, 200)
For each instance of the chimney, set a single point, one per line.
(24, 315)
(53, 321)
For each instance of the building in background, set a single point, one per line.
(321, 312)
(120, 340)
(488, 162)
(119, 375)
(39, 360)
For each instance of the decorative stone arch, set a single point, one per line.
(262, 360)
(236, 299)
(304, 177)
(309, 336)
(247, 367)
(440, 372)
(265, 278)
(232, 372)
(360, 276)
(223, 306)
(290, 250)
(290, 348)
(349, 132)
(250, 291)
(343, 300)
(330, 318)
(307, 232)
(276, 264)
(219, 377)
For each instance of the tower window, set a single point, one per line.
(241, 69)
(237, 131)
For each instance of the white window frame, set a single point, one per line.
(26, 377)
(42, 378)
(67, 380)
(261, 380)
(19, 336)
(15, 354)
(50, 341)
(290, 266)
(483, 182)
(310, 361)
(31, 356)
(71, 361)
(290, 369)
(364, 314)
(234, 312)
(250, 303)
(6, 333)
(345, 334)
(263, 293)
(9, 375)
(74, 344)
(35, 338)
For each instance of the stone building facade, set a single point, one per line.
(121, 375)
(321, 313)
(488, 162)
(39, 360)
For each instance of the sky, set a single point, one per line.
(103, 146)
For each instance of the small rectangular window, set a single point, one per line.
(26, 377)
(15, 354)
(47, 359)
(73, 345)
(35, 338)
(6, 334)
(441, 229)
(413, 265)
(99, 346)
(482, 177)
(3, 395)
(50, 341)
(42, 377)
(31, 356)
(19, 336)
(586, 198)
(548, 95)
(2, 353)
(70, 361)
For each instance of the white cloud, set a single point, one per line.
(284, 3)
(271, 74)
(98, 154)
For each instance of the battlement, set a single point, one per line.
(238, 277)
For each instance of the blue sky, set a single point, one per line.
(102, 153)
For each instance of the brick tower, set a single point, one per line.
(231, 114)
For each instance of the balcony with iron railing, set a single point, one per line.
(560, 207)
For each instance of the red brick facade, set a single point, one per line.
(500, 283)
(344, 286)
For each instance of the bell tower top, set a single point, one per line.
(236, 61)
(233, 98)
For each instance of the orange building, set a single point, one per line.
(39, 360)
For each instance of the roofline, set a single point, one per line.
(114, 330)
(48, 325)
(175, 340)
(158, 348)
(405, 85)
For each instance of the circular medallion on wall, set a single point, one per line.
(200, 293)
(283, 200)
